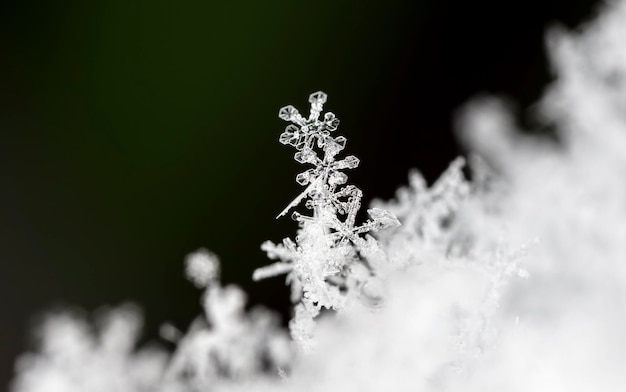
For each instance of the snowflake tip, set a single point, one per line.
(331, 121)
(304, 156)
(303, 178)
(318, 97)
(351, 162)
(288, 113)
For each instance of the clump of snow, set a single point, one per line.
(228, 345)
(202, 267)
(73, 357)
(224, 347)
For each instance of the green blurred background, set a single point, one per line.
(134, 132)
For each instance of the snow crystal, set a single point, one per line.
(318, 264)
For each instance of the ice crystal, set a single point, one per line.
(321, 263)
(309, 135)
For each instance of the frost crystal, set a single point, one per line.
(322, 263)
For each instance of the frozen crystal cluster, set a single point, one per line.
(513, 281)
(332, 258)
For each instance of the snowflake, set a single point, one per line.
(321, 263)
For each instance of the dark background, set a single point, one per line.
(133, 132)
